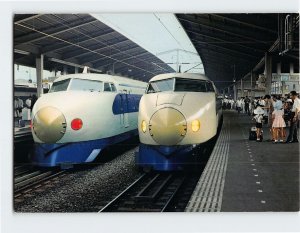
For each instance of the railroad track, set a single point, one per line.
(28, 180)
(156, 192)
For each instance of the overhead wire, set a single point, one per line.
(97, 40)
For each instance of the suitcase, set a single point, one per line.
(21, 123)
(252, 134)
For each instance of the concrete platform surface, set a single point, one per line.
(248, 176)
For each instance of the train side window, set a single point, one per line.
(113, 87)
(107, 87)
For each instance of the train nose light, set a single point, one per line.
(195, 125)
(76, 124)
(144, 126)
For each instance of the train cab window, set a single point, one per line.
(190, 85)
(85, 85)
(161, 85)
(60, 85)
(107, 87)
(113, 87)
(210, 87)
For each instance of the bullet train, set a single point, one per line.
(81, 115)
(178, 113)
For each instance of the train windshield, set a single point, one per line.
(86, 85)
(76, 84)
(60, 85)
(161, 85)
(181, 84)
(193, 85)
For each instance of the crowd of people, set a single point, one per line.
(277, 112)
(20, 106)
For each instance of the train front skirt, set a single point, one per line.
(62, 154)
(168, 158)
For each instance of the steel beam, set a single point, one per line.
(39, 74)
(62, 45)
(221, 30)
(59, 30)
(224, 41)
(245, 23)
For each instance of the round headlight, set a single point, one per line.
(195, 125)
(144, 126)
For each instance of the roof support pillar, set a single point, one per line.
(76, 70)
(39, 62)
(279, 68)
(268, 72)
(291, 68)
(234, 92)
(242, 88)
(65, 70)
(252, 77)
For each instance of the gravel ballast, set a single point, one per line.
(87, 189)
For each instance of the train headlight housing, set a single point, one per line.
(195, 125)
(144, 126)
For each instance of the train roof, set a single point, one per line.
(179, 75)
(101, 77)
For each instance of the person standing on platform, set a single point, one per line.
(278, 122)
(20, 106)
(247, 103)
(258, 118)
(293, 137)
(16, 107)
(239, 105)
(243, 105)
(268, 113)
(28, 102)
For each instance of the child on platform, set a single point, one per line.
(259, 119)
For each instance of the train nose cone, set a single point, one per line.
(167, 126)
(49, 124)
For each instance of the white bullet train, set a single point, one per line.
(178, 113)
(81, 115)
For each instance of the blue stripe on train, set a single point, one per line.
(50, 155)
(126, 103)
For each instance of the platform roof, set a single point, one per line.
(68, 39)
(231, 45)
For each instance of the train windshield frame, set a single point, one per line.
(177, 84)
(76, 84)
(193, 85)
(60, 85)
(161, 85)
(85, 85)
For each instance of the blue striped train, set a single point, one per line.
(179, 113)
(81, 115)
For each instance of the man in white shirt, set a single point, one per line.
(239, 105)
(295, 118)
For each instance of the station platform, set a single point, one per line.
(243, 175)
(22, 132)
